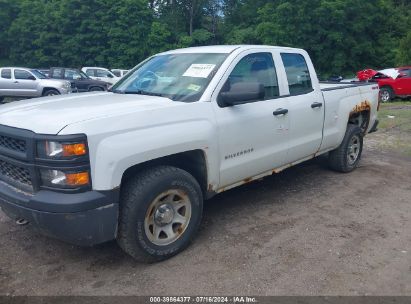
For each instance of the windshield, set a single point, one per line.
(38, 74)
(180, 77)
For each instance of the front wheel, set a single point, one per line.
(386, 94)
(160, 212)
(96, 89)
(51, 92)
(347, 156)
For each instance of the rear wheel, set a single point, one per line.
(160, 213)
(51, 92)
(96, 89)
(386, 94)
(1, 99)
(347, 156)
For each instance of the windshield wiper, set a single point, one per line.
(116, 91)
(142, 92)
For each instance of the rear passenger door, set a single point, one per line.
(306, 107)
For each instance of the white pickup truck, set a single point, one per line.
(136, 163)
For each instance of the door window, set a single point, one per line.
(57, 73)
(21, 74)
(103, 73)
(298, 76)
(91, 72)
(6, 73)
(71, 74)
(406, 72)
(257, 67)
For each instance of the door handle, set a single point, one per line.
(280, 112)
(316, 105)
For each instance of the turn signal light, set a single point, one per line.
(77, 179)
(74, 149)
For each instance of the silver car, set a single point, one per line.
(23, 82)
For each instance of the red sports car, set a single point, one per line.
(392, 82)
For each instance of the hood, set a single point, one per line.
(49, 115)
(52, 81)
(366, 74)
(393, 73)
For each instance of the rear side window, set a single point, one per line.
(91, 72)
(103, 73)
(21, 74)
(257, 67)
(6, 73)
(117, 73)
(298, 76)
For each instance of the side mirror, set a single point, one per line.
(241, 93)
(110, 76)
(31, 77)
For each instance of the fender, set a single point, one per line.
(135, 138)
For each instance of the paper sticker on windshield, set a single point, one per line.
(194, 87)
(199, 70)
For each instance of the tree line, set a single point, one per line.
(342, 36)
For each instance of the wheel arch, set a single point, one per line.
(361, 119)
(194, 162)
(45, 89)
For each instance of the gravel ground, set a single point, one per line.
(305, 231)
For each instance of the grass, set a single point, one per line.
(395, 127)
(396, 115)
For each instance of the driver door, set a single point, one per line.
(253, 137)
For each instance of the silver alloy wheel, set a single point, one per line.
(353, 150)
(385, 96)
(167, 217)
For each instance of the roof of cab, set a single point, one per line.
(222, 49)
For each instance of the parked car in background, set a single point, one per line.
(119, 73)
(335, 78)
(80, 81)
(101, 74)
(394, 82)
(24, 82)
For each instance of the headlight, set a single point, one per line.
(61, 179)
(61, 150)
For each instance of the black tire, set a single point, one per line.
(341, 159)
(96, 89)
(137, 198)
(51, 92)
(2, 99)
(386, 94)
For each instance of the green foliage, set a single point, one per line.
(342, 36)
(404, 51)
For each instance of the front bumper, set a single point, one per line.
(83, 219)
(63, 91)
